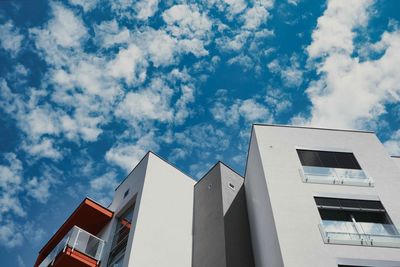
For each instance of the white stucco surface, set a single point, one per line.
(276, 183)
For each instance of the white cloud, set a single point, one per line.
(87, 5)
(230, 111)
(234, 43)
(288, 70)
(252, 111)
(146, 8)
(20, 261)
(235, 6)
(40, 121)
(245, 61)
(10, 236)
(44, 148)
(129, 64)
(109, 33)
(11, 39)
(257, 15)
(334, 29)
(393, 144)
(187, 21)
(152, 103)
(38, 189)
(161, 47)
(127, 155)
(350, 91)
(205, 138)
(65, 28)
(11, 185)
(181, 105)
(277, 101)
(102, 187)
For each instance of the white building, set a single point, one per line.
(310, 197)
(319, 197)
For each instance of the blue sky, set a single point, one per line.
(87, 87)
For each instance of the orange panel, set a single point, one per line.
(90, 216)
(74, 259)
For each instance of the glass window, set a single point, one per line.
(120, 239)
(328, 159)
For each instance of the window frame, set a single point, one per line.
(335, 178)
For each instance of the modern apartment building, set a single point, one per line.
(309, 197)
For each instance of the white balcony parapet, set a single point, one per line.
(79, 240)
(325, 175)
(361, 234)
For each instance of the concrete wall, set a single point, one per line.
(276, 193)
(264, 237)
(208, 226)
(396, 160)
(238, 245)
(221, 235)
(134, 183)
(163, 230)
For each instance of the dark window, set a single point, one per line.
(349, 204)
(335, 209)
(121, 234)
(126, 193)
(328, 159)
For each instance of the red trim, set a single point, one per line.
(90, 216)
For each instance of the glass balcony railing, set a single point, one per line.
(335, 176)
(363, 234)
(79, 240)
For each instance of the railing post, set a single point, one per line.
(76, 239)
(101, 252)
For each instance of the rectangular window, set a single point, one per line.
(356, 222)
(327, 159)
(328, 167)
(120, 239)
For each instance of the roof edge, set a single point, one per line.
(313, 128)
(158, 156)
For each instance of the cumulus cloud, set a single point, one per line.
(393, 144)
(129, 64)
(146, 8)
(11, 38)
(87, 5)
(127, 155)
(351, 91)
(288, 70)
(257, 14)
(10, 236)
(103, 186)
(187, 21)
(10, 185)
(109, 33)
(231, 111)
(151, 103)
(65, 28)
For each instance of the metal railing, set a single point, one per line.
(327, 175)
(360, 233)
(79, 240)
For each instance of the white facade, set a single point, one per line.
(161, 232)
(275, 217)
(284, 218)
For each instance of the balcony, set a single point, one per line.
(326, 175)
(360, 233)
(77, 248)
(75, 243)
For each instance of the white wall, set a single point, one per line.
(396, 160)
(293, 208)
(264, 238)
(163, 229)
